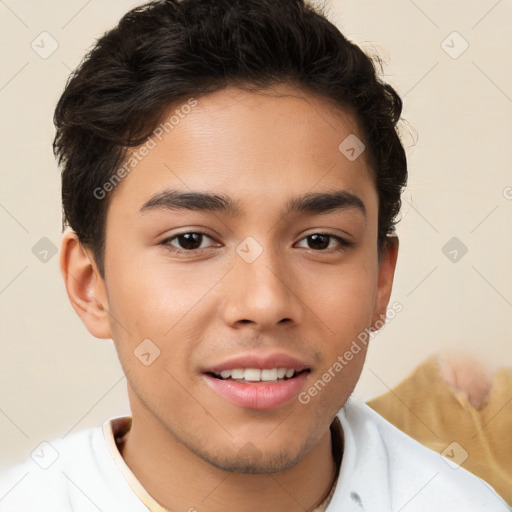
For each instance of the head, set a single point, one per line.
(231, 174)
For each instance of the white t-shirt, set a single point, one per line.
(382, 470)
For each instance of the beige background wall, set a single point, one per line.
(55, 378)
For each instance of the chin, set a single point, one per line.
(250, 460)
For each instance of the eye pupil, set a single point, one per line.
(190, 240)
(318, 241)
(193, 241)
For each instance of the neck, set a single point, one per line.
(178, 479)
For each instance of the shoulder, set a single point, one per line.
(408, 471)
(74, 473)
(41, 477)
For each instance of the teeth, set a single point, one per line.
(269, 374)
(252, 374)
(237, 374)
(256, 375)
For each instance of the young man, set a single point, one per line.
(231, 178)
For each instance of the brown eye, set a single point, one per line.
(187, 242)
(318, 242)
(324, 241)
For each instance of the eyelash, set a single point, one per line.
(344, 244)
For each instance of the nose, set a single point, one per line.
(263, 294)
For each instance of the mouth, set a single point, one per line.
(257, 380)
(257, 375)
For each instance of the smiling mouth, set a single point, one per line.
(257, 376)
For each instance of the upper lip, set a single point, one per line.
(260, 361)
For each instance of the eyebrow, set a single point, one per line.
(311, 203)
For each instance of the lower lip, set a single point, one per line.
(258, 395)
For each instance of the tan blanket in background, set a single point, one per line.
(441, 417)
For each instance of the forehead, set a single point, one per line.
(273, 144)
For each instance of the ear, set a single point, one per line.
(84, 285)
(387, 266)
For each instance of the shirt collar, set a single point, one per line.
(116, 429)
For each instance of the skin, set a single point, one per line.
(188, 446)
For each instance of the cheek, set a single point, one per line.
(153, 295)
(344, 298)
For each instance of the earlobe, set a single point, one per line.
(84, 286)
(387, 267)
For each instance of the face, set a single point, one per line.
(244, 240)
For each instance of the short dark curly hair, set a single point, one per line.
(165, 51)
